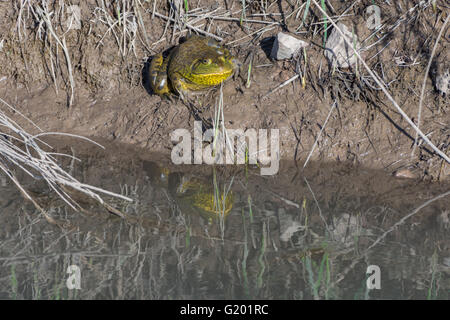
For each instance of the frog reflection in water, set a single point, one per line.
(197, 195)
(193, 194)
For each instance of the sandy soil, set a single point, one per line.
(112, 100)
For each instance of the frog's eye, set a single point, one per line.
(206, 61)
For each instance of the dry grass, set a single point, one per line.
(27, 152)
(121, 21)
(48, 22)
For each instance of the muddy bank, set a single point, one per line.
(111, 99)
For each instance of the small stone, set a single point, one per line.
(441, 76)
(336, 49)
(443, 82)
(286, 46)
(404, 174)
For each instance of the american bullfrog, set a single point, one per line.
(192, 193)
(197, 195)
(196, 64)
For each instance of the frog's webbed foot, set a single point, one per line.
(186, 97)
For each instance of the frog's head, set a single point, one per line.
(211, 205)
(198, 194)
(212, 65)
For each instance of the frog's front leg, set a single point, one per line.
(180, 86)
(158, 75)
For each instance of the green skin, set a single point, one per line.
(196, 64)
(197, 196)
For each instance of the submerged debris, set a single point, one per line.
(288, 226)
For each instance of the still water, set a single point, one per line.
(204, 232)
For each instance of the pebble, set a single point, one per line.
(405, 174)
(336, 49)
(441, 76)
(286, 46)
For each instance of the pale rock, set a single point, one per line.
(286, 46)
(336, 49)
(441, 76)
(405, 174)
(443, 82)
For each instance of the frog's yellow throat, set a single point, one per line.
(206, 200)
(210, 79)
(208, 203)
